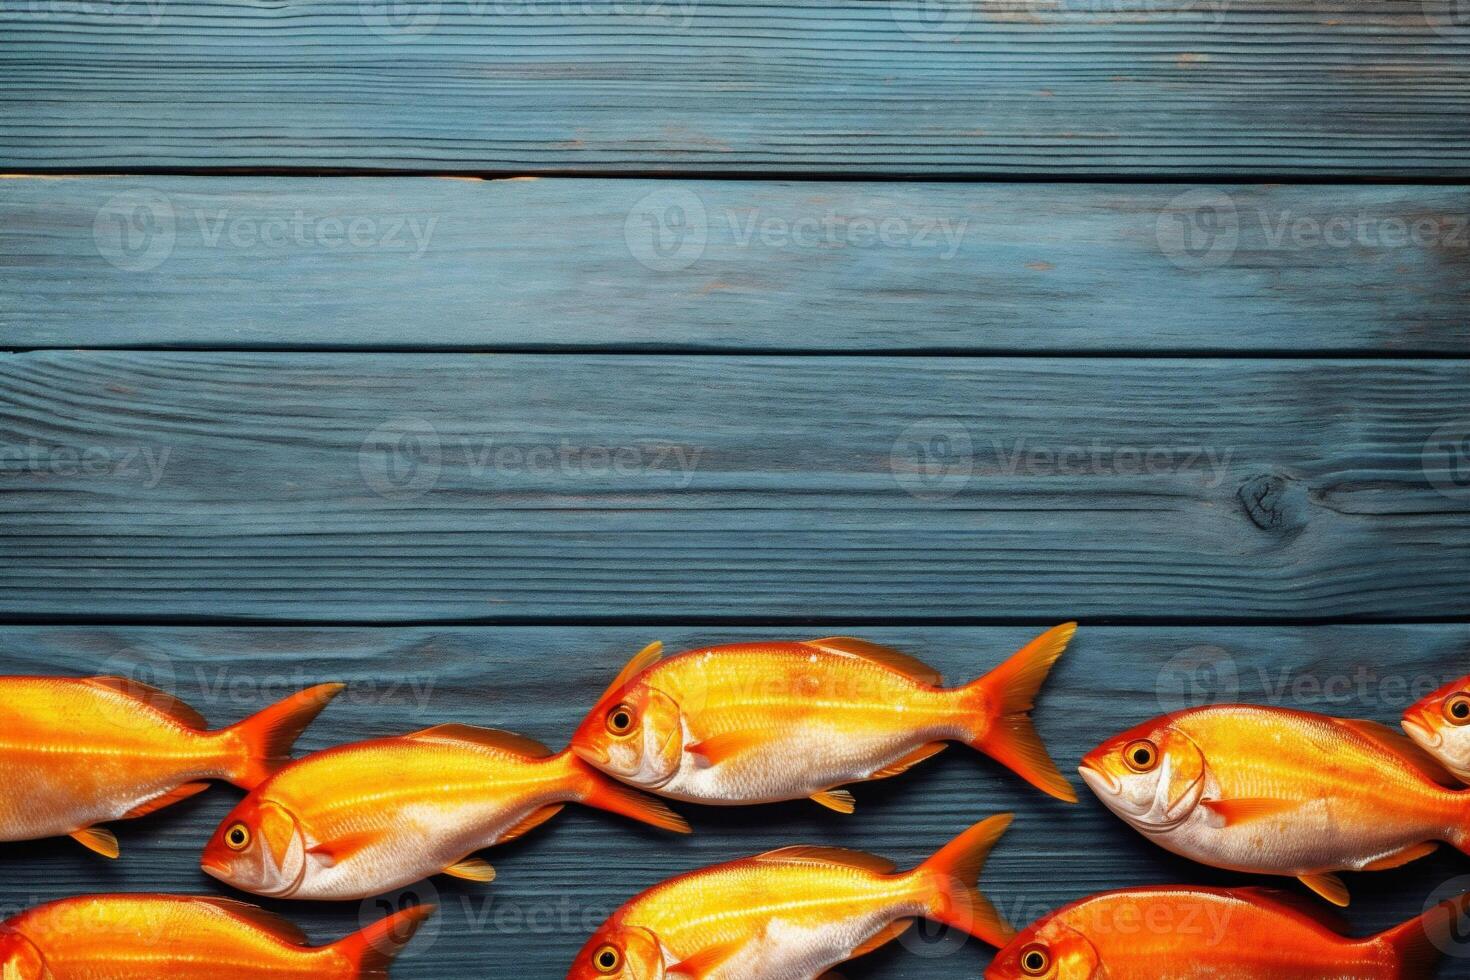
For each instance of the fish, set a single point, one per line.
(791, 914)
(1440, 725)
(1188, 933)
(773, 721)
(371, 817)
(1281, 792)
(145, 937)
(79, 752)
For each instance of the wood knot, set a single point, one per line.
(1275, 503)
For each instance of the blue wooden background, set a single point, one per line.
(458, 348)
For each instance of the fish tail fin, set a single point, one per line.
(1423, 941)
(371, 951)
(263, 741)
(592, 788)
(1005, 697)
(951, 880)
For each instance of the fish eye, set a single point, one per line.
(607, 959)
(620, 719)
(237, 838)
(1035, 961)
(1141, 755)
(1457, 709)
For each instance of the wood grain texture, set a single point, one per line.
(1334, 87)
(341, 488)
(556, 885)
(732, 265)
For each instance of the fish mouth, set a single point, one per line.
(1101, 784)
(215, 869)
(1420, 732)
(591, 756)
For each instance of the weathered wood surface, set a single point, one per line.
(1335, 87)
(732, 265)
(556, 885)
(511, 488)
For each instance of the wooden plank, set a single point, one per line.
(909, 87)
(342, 487)
(555, 886)
(733, 265)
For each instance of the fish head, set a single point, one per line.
(1048, 950)
(1153, 776)
(20, 959)
(635, 734)
(258, 848)
(1440, 724)
(620, 952)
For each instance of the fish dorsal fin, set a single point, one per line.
(167, 799)
(884, 936)
(530, 823)
(258, 918)
(1329, 886)
(1297, 905)
(894, 660)
(1403, 747)
(490, 738)
(840, 856)
(161, 701)
(642, 660)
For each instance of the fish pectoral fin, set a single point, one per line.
(167, 799)
(471, 869)
(909, 761)
(530, 823)
(1329, 886)
(883, 937)
(721, 748)
(98, 839)
(1403, 857)
(1245, 810)
(339, 849)
(836, 799)
(706, 961)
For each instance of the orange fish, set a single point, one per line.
(77, 752)
(1218, 934)
(147, 937)
(1441, 725)
(763, 722)
(791, 914)
(1279, 791)
(366, 818)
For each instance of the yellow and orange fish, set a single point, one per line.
(150, 937)
(791, 914)
(1218, 934)
(1440, 724)
(764, 722)
(366, 818)
(76, 752)
(1279, 791)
